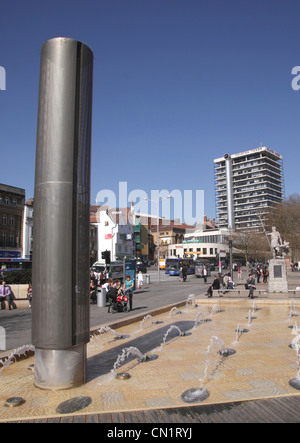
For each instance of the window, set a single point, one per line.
(7, 201)
(11, 240)
(4, 220)
(3, 238)
(12, 220)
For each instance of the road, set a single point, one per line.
(16, 324)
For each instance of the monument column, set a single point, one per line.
(60, 309)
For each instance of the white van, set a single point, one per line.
(116, 269)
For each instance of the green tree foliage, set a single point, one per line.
(286, 218)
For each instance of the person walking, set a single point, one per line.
(181, 273)
(240, 272)
(205, 274)
(140, 280)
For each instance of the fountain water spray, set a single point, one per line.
(295, 382)
(18, 352)
(191, 301)
(293, 310)
(200, 314)
(249, 317)
(295, 330)
(171, 328)
(238, 333)
(195, 395)
(126, 352)
(215, 308)
(174, 309)
(105, 329)
(147, 317)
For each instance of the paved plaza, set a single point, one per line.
(142, 364)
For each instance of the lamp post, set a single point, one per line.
(157, 232)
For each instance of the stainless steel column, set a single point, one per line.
(230, 206)
(60, 309)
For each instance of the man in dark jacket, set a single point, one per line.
(251, 286)
(215, 285)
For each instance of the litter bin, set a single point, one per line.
(101, 297)
(147, 279)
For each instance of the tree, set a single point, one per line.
(252, 245)
(286, 218)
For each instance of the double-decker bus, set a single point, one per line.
(173, 265)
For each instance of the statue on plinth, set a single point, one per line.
(279, 248)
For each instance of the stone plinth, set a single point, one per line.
(278, 276)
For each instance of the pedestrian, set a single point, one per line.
(258, 273)
(240, 272)
(265, 274)
(220, 278)
(106, 274)
(225, 281)
(29, 294)
(184, 273)
(250, 285)
(181, 273)
(230, 282)
(5, 294)
(93, 288)
(128, 287)
(108, 284)
(215, 285)
(140, 280)
(94, 276)
(101, 278)
(205, 274)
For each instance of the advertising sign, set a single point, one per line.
(129, 269)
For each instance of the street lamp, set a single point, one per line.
(157, 234)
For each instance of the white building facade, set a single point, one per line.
(212, 245)
(28, 230)
(114, 234)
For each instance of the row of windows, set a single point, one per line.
(7, 201)
(8, 240)
(11, 220)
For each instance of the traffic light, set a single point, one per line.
(105, 255)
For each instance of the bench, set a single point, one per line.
(19, 302)
(245, 292)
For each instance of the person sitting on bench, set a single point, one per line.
(215, 285)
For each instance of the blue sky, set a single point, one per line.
(177, 83)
